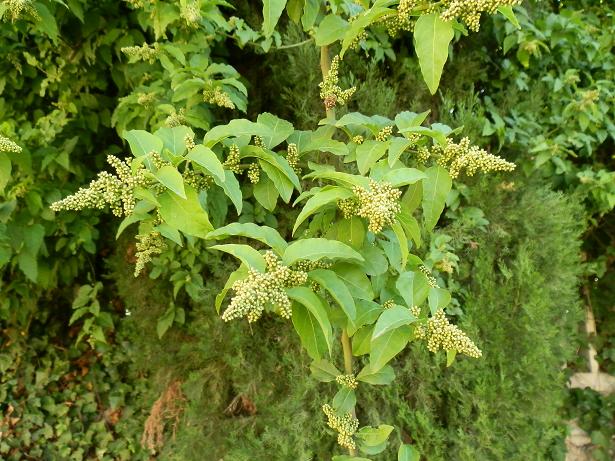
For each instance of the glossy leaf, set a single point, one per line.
(169, 177)
(331, 29)
(337, 289)
(403, 176)
(326, 196)
(173, 138)
(142, 142)
(206, 158)
(413, 287)
(382, 377)
(391, 319)
(245, 253)
(309, 331)
(266, 193)
(314, 305)
(187, 215)
(265, 234)
(435, 189)
(438, 299)
(324, 371)
(387, 346)
(344, 400)
(272, 10)
(231, 188)
(408, 453)
(369, 153)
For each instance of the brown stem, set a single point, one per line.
(347, 348)
(325, 66)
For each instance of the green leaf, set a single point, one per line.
(403, 242)
(391, 319)
(174, 138)
(411, 227)
(281, 183)
(272, 10)
(238, 274)
(231, 188)
(309, 331)
(438, 299)
(387, 346)
(28, 264)
(508, 13)
(275, 130)
(412, 198)
(245, 253)
(206, 158)
(326, 196)
(331, 29)
(337, 289)
(5, 170)
(265, 234)
(142, 142)
(314, 304)
(362, 341)
(169, 232)
(294, 8)
(318, 248)
(350, 231)
(266, 193)
(357, 282)
(408, 453)
(324, 371)
(436, 187)
(432, 36)
(235, 128)
(413, 287)
(406, 119)
(450, 356)
(364, 20)
(348, 458)
(396, 148)
(345, 179)
(382, 377)
(46, 22)
(169, 177)
(187, 215)
(374, 436)
(369, 153)
(403, 176)
(344, 401)
(165, 321)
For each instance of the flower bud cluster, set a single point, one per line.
(379, 205)
(330, 92)
(440, 334)
(146, 99)
(349, 207)
(401, 20)
(358, 139)
(189, 141)
(348, 381)
(433, 283)
(388, 304)
(423, 154)
(19, 8)
(191, 14)
(292, 156)
(458, 157)
(218, 97)
(307, 266)
(117, 190)
(346, 426)
(6, 145)
(258, 290)
(197, 180)
(384, 134)
(147, 246)
(142, 53)
(416, 311)
(254, 172)
(469, 11)
(259, 142)
(232, 159)
(176, 119)
(354, 45)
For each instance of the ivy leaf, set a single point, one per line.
(265, 234)
(344, 400)
(142, 142)
(266, 193)
(171, 179)
(331, 29)
(324, 371)
(391, 319)
(436, 187)
(272, 10)
(438, 299)
(326, 196)
(245, 253)
(432, 36)
(382, 377)
(318, 248)
(187, 215)
(369, 153)
(387, 346)
(205, 157)
(338, 290)
(314, 305)
(413, 287)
